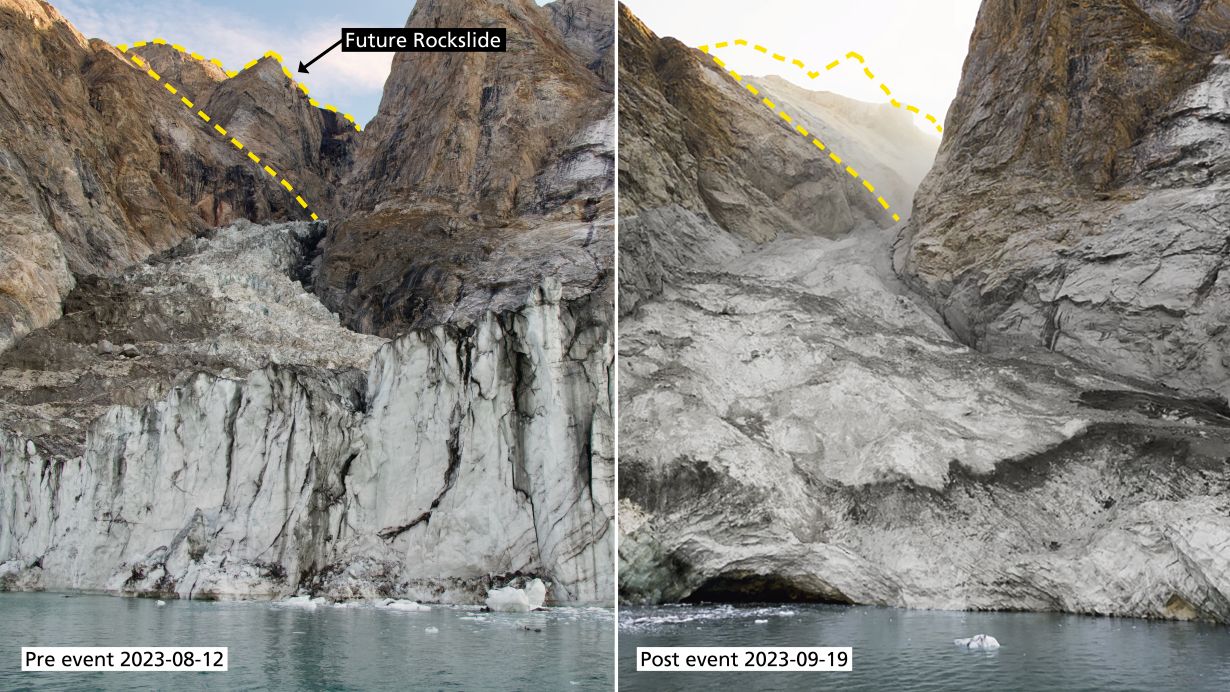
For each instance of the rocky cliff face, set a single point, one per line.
(199, 424)
(99, 168)
(1079, 201)
(698, 150)
(832, 438)
(446, 218)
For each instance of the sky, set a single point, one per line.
(235, 32)
(916, 48)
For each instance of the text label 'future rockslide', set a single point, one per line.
(412, 40)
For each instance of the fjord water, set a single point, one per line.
(912, 650)
(278, 647)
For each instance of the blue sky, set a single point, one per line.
(236, 32)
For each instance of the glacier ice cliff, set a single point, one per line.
(429, 467)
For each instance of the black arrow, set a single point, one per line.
(303, 68)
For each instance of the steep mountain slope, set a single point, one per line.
(830, 439)
(200, 424)
(100, 169)
(707, 157)
(1080, 199)
(445, 219)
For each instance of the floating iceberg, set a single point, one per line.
(160, 603)
(432, 630)
(978, 641)
(305, 602)
(406, 606)
(513, 600)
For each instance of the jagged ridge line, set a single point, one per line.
(221, 131)
(123, 48)
(798, 127)
(939, 126)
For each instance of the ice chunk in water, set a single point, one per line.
(513, 600)
(407, 606)
(305, 602)
(978, 641)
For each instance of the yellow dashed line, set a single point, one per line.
(869, 186)
(218, 128)
(853, 173)
(268, 54)
(882, 202)
(819, 144)
(736, 76)
(835, 157)
(801, 130)
(785, 117)
(752, 89)
(719, 61)
(331, 108)
(895, 217)
(768, 103)
(813, 74)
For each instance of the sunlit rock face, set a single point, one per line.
(798, 423)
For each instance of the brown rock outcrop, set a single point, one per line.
(1079, 200)
(481, 174)
(100, 168)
